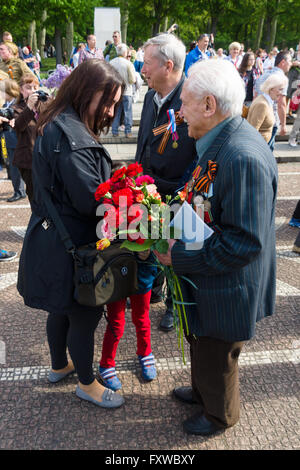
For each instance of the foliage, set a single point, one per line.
(228, 19)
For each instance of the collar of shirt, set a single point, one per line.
(161, 101)
(269, 99)
(205, 142)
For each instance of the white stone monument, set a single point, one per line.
(106, 21)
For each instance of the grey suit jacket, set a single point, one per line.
(235, 271)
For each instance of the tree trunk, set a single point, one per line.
(31, 31)
(259, 32)
(42, 34)
(34, 42)
(274, 26)
(58, 45)
(69, 38)
(124, 8)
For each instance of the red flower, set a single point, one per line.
(140, 240)
(102, 190)
(113, 217)
(126, 196)
(118, 174)
(134, 169)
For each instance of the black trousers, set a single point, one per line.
(296, 213)
(215, 381)
(75, 332)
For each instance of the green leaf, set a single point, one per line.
(161, 246)
(133, 246)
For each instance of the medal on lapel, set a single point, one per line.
(169, 129)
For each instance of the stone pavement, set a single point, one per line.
(37, 415)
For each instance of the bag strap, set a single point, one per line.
(52, 211)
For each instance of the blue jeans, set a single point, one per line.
(126, 106)
(271, 142)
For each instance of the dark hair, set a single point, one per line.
(282, 55)
(202, 36)
(78, 91)
(192, 45)
(244, 63)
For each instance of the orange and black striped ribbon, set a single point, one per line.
(202, 184)
(167, 132)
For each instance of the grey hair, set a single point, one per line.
(220, 79)
(122, 49)
(169, 47)
(275, 79)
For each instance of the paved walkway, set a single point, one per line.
(37, 415)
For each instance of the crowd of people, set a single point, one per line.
(220, 156)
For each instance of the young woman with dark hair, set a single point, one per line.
(249, 74)
(70, 163)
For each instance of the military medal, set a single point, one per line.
(174, 145)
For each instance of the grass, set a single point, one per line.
(48, 64)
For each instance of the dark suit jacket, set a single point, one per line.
(235, 271)
(166, 169)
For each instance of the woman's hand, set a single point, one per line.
(143, 255)
(32, 101)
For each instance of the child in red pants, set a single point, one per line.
(140, 306)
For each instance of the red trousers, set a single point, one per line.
(140, 306)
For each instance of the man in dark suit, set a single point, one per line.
(235, 270)
(167, 156)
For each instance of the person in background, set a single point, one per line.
(80, 48)
(200, 52)
(28, 57)
(12, 65)
(111, 49)
(234, 54)
(261, 113)
(259, 62)
(90, 51)
(26, 109)
(220, 54)
(126, 70)
(293, 138)
(269, 61)
(249, 74)
(12, 93)
(139, 60)
(283, 63)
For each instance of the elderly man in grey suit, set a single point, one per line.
(234, 271)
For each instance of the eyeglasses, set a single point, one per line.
(115, 36)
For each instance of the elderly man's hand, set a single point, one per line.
(165, 259)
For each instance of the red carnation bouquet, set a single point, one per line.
(133, 211)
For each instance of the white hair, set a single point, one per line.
(274, 80)
(169, 47)
(220, 79)
(122, 49)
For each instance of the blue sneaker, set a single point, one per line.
(148, 367)
(294, 222)
(7, 255)
(109, 378)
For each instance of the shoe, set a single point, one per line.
(7, 255)
(184, 394)
(148, 367)
(200, 425)
(155, 299)
(109, 379)
(54, 377)
(110, 399)
(128, 135)
(14, 198)
(294, 222)
(293, 142)
(167, 321)
(296, 249)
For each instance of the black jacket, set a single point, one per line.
(167, 169)
(46, 270)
